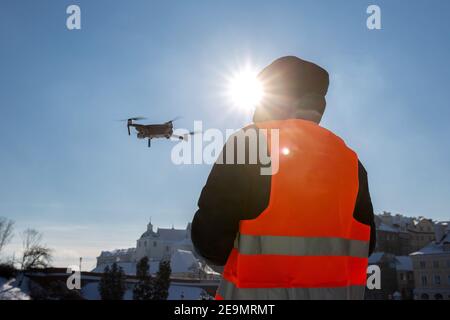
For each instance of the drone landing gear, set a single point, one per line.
(149, 143)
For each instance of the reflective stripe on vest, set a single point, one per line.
(300, 246)
(227, 290)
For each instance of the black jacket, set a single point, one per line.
(235, 192)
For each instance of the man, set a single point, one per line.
(304, 232)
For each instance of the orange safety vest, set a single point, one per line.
(306, 243)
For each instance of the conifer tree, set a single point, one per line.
(143, 289)
(161, 282)
(112, 283)
(104, 284)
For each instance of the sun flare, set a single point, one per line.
(244, 89)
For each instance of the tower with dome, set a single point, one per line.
(156, 245)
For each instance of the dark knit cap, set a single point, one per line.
(293, 77)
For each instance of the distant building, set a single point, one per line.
(432, 267)
(405, 277)
(388, 239)
(118, 255)
(163, 244)
(386, 262)
(402, 235)
(397, 279)
(154, 245)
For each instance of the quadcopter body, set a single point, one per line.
(152, 131)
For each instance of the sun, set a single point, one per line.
(245, 89)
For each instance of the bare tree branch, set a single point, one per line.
(35, 254)
(6, 232)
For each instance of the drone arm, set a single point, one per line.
(179, 137)
(185, 136)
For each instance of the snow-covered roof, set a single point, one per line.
(402, 220)
(445, 225)
(434, 247)
(183, 261)
(403, 263)
(387, 228)
(207, 269)
(375, 257)
(117, 252)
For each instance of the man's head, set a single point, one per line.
(293, 88)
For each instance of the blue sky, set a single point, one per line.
(70, 170)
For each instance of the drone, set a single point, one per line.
(151, 131)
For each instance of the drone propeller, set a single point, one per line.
(133, 119)
(174, 119)
(130, 122)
